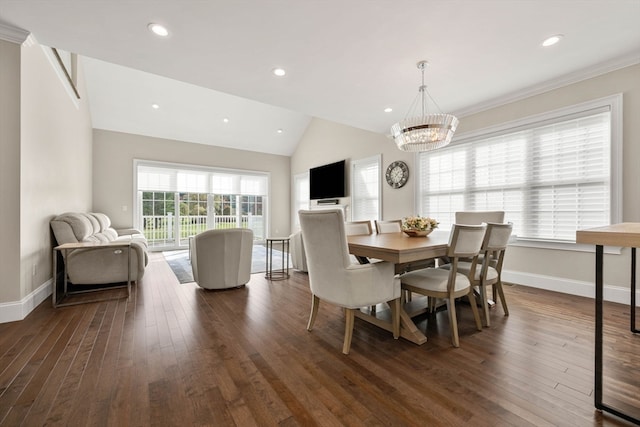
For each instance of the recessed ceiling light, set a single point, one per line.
(158, 29)
(155, 106)
(552, 40)
(388, 110)
(279, 131)
(226, 120)
(279, 72)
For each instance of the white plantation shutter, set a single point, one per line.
(551, 176)
(365, 189)
(300, 194)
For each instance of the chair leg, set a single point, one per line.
(474, 309)
(315, 302)
(453, 321)
(348, 329)
(498, 285)
(485, 304)
(395, 317)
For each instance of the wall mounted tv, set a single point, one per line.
(327, 181)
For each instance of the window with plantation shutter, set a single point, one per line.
(300, 195)
(552, 174)
(365, 189)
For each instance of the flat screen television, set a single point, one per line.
(327, 181)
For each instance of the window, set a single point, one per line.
(300, 195)
(365, 189)
(178, 201)
(551, 174)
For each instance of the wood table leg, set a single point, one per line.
(408, 329)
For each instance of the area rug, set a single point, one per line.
(181, 266)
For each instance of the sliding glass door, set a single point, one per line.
(174, 203)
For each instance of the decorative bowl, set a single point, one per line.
(417, 233)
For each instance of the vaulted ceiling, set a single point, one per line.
(345, 60)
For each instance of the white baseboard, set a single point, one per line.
(18, 310)
(567, 286)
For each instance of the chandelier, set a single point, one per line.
(427, 131)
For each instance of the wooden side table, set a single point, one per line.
(625, 235)
(282, 272)
(65, 249)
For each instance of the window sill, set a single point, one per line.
(562, 246)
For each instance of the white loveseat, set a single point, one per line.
(99, 265)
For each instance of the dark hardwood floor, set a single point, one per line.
(178, 355)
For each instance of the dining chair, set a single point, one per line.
(395, 226)
(479, 217)
(334, 279)
(448, 283)
(354, 228)
(488, 270)
(390, 226)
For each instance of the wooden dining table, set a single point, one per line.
(399, 249)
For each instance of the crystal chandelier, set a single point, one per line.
(427, 131)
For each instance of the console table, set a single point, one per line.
(624, 235)
(118, 247)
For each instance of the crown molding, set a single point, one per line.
(568, 79)
(12, 34)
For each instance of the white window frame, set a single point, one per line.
(355, 164)
(300, 189)
(137, 202)
(614, 104)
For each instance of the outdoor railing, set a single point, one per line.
(160, 229)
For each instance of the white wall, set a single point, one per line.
(325, 142)
(114, 153)
(566, 271)
(55, 159)
(46, 170)
(9, 171)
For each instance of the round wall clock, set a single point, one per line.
(397, 174)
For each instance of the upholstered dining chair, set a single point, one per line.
(221, 259)
(488, 270)
(390, 226)
(334, 279)
(395, 226)
(478, 217)
(355, 228)
(449, 283)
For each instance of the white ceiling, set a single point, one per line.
(346, 60)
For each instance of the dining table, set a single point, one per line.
(402, 250)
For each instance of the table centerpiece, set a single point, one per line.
(418, 226)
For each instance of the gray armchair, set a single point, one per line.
(221, 259)
(296, 248)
